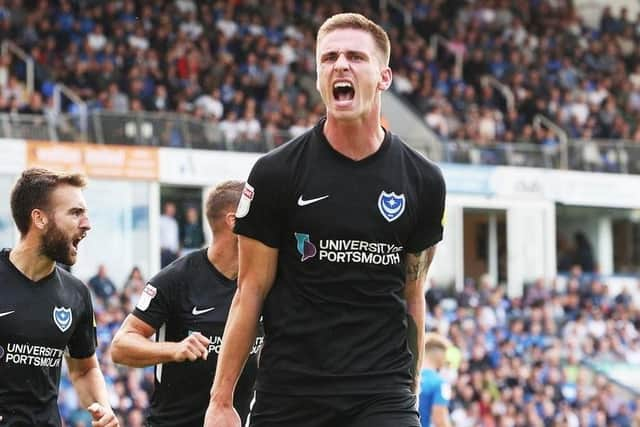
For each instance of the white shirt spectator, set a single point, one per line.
(210, 105)
(249, 128)
(191, 28)
(579, 110)
(288, 52)
(138, 41)
(227, 27)
(402, 84)
(230, 128)
(595, 97)
(169, 234)
(487, 127)
(298, 128)
(97, 41)
(436, 121)
(185, 6)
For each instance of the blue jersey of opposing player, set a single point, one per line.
(434, 391)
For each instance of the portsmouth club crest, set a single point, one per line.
(391, 205)
(62, 317)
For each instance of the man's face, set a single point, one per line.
(67, 225)
(350, 73)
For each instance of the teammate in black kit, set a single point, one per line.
(44, 310)
(337, 230)
(186, 306)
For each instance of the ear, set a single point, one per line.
(39, 219)
(386, 76)
(230, 219)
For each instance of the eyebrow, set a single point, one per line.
(346, 52)
(79, 209)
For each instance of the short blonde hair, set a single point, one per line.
(435, 342)
(221, 199)
(359, 22)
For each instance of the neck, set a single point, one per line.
(27, 258)
(356, 139)
(427, 363)
(223, 254)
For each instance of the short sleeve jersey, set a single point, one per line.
(335, 318)
(434, 390)
(191, 295)
(39, 322)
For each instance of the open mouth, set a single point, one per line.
(343, 91)
(75, 242)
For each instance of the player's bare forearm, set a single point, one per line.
(239, 336)
(417, 265)
(257, 270)
(132, 347)
(88, 381)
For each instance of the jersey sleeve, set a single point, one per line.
(83, 342)
(431, 199)
(259, 214)
(442, 394)
(153, 306)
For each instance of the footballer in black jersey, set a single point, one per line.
(45, 312)
(337, 230)
(186, 305)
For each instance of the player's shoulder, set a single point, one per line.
(429, 376)
(414, 160)
(69, 281)
(281, 158)
(179, 270)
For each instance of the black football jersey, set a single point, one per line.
(335, 319)
(39, 322)
(191, 295)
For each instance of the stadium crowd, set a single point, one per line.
(516, 362)
(248, 67)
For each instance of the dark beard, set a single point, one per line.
(56, 246)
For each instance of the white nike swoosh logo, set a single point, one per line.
(197, 312)
(302, 202)
(6, 313)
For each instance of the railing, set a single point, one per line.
(504, 90)
(436, 40)
(563, 138)
(80, 115)
(9, 46)
(176, 130)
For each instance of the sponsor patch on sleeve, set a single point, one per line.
(245, 201)
(147, 295)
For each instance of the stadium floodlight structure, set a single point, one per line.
(10, 47)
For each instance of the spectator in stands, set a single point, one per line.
(101, 285)
(583, 252)
(169, 235)
(192, 233)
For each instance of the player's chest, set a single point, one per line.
(38, 318)
(356, 205)
(201, 309)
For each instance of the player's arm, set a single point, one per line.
(257, 270)
(417, 265)
(440, 408)
(131, 346)
(91, 389)
(440, 416)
